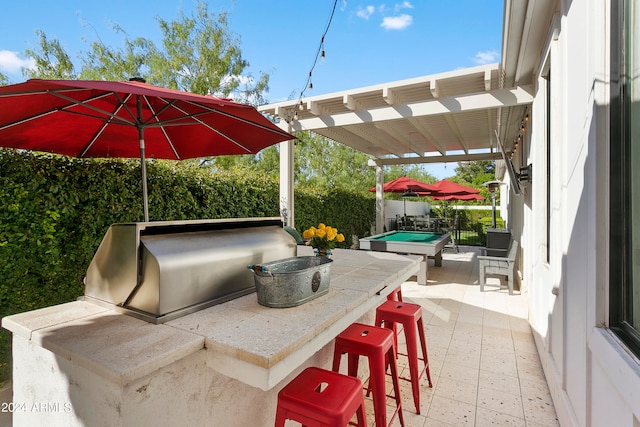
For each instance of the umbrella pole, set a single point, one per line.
(143, 164)
(143, 168)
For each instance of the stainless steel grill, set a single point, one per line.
(159, 271)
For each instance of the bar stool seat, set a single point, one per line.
(410, 317)
(377, 345)
(321, 398)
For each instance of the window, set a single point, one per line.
(624, 280)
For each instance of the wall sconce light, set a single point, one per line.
(525, 173)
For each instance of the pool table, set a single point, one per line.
(410, 242)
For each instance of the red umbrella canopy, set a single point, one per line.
(404, 184)
(445, 187)
(86, 118)
(459, 197)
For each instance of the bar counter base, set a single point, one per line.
(80, 364)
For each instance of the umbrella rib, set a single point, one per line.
(224, 113)
(155, 114)
(107, 116)
(157, 119)
(73, 102)
(213, 110)
(106, 122)
(36, 116)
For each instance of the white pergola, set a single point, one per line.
(449, 117)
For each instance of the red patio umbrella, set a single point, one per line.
(408, 186)
(405, 184)
(448, 190)
(85, 118)
(458, 197)
(444, 187)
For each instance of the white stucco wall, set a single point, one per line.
(184, 393)
(593, 379)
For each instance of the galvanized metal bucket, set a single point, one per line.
(291, 281)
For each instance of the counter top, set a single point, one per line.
(243, 340)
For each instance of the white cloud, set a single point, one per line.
(486, 57)
(10, 62)
(399, 22)
(403, 5)
(366, 12)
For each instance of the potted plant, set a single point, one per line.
(322, 239)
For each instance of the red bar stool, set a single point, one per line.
(377, 344)
(395, 295)
(410, 316)
(321, 398)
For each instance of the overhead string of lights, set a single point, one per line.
(520, 137)
(320, 53)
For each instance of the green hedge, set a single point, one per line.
(55, 210)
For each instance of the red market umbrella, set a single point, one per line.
(405, 184)
(85, 118)
(458, 197)
(444, 187)
(408, 186)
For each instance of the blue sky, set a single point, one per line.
(368, 42)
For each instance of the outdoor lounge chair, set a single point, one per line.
(504, 266)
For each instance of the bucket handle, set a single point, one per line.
(257, 268)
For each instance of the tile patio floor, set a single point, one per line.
(484, 364)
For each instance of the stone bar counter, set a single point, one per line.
(80, 364)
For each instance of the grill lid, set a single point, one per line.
(162, 270)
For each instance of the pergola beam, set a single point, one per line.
(453, 158)
(498, 98)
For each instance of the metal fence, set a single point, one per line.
(468, 237)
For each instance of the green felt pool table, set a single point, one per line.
(410, 242)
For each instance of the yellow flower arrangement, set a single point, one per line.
(322, 237)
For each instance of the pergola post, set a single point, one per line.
(379, 199)
(286, 181)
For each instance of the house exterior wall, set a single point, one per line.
(593, 379)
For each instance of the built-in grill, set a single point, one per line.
(159, 271)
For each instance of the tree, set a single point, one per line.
(326, 163)
(198, 54)
(417, 172)
(476, 173)
(51, 60)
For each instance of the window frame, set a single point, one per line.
(620, 261)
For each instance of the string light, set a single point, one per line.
(520, 137)
(320, 53)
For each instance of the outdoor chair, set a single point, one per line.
(504, 266)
